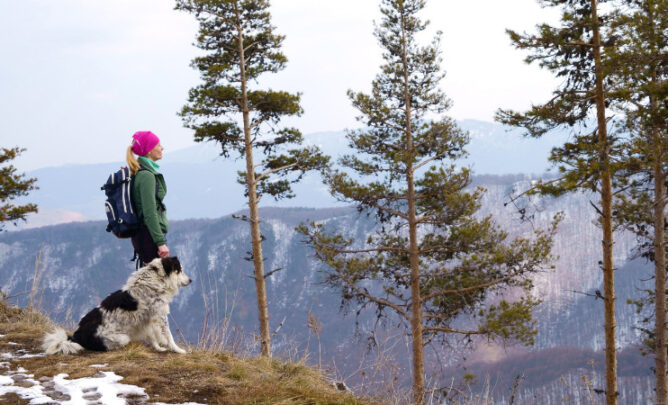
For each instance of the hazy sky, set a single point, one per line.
(78, 77)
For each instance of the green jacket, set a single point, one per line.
(146, 204)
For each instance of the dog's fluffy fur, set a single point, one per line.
(137, 312)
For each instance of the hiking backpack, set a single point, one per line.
(123, 220)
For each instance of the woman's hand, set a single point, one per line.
(163, 251)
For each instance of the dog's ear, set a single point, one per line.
(154, 265)
(171, 264)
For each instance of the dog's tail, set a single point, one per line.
(57, 342)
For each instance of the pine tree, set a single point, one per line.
(13, 185)
(573, 51)
(431, 260)
(240, 46)
(639, 63)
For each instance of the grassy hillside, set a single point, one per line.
(210, 377)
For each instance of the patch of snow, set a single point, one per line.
(30, 356)
(283, 235)
(96, 255)
(33, 393)
(104, 387)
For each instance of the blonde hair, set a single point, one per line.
(133, 164)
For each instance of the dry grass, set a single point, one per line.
(205, 376)
(21, 326)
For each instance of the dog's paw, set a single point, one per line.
(158, 348)
(178, 350)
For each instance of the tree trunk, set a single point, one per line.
(416, 303)
(610, 323)
(416, 299)
(256, 237)
(659, 235)
(660, 281)
(606, 220)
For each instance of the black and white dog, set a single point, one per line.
(137, 312)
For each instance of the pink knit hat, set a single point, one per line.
(143, 142)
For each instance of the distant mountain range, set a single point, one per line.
(201, 184)
(82, 264)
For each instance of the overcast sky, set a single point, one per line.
(78, 77)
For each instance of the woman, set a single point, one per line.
(148, 191)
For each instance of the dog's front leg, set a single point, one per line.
(154, 336)
(166, 333)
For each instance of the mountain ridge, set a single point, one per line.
(201, 184)
(82, 263)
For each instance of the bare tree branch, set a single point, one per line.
(427, 161)
(450, 330)
(258, 122)
(374, 250)
(272, 171)
(467, 289)
(250, 46)
(374, 299)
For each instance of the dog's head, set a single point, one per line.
(170, 268)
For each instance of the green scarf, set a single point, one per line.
(154, 165)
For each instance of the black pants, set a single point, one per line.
(145, 249)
